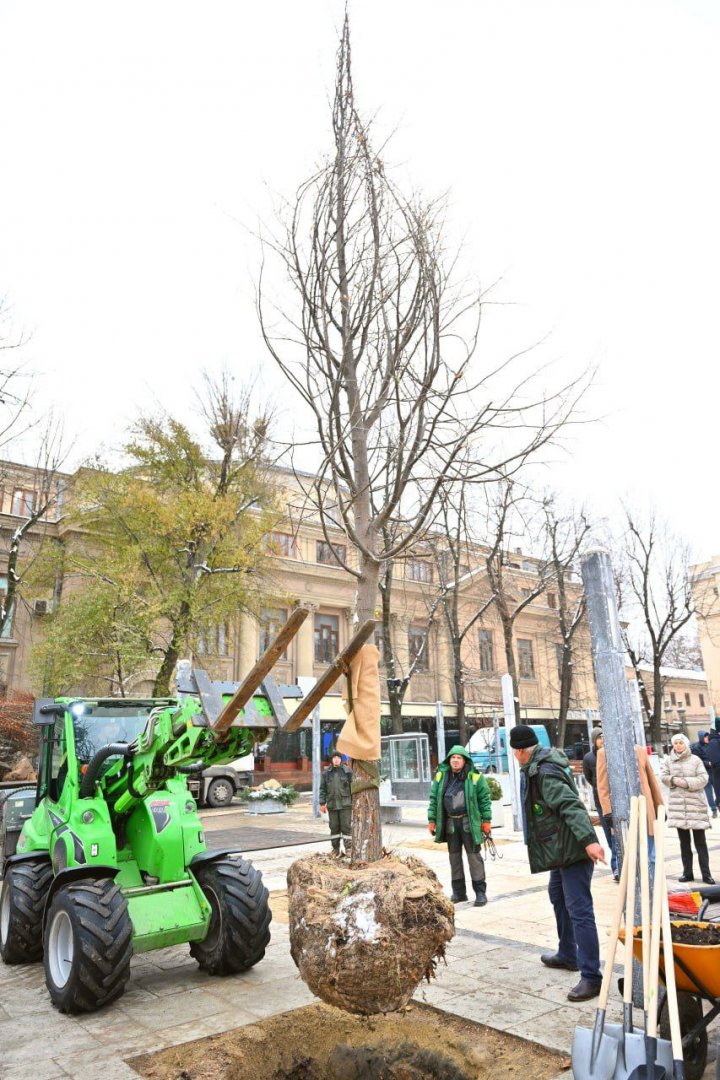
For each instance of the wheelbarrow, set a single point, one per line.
(697, 976)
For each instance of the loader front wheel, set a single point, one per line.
(240, 923)
(22, 901)
(88, 945)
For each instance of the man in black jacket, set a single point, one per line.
(707, 748)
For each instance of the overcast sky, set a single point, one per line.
(577, 142)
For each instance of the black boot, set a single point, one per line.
(480, 888)
(459, 891)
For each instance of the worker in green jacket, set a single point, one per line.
(561, 839)
(336, 799)
(460, 814)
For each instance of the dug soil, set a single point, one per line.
(696, 934)
(320, 1042)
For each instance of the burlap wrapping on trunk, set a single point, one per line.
(360, 736)
(364, 937)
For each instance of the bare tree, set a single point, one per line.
(510, 512)
(565, 535)
(35, 510)
(656, 603)
(380, 351)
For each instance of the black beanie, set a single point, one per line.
(522, 737)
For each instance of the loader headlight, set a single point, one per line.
(189, 807)
(88, 817)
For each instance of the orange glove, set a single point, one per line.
(486, 828)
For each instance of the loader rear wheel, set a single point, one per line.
(88, 945)
(22, 902)
(240, 923)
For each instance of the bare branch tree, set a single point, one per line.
(656, 603)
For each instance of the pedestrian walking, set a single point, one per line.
(713, 763)
(649, 787)
(336, 800)
(590, 773)
(701, 750)
(685, 776)
(460, 814)
(560, 838)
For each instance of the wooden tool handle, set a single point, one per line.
(614, 935)
(644, 893)
(631, 854)
(673, 1012)
(655, 924)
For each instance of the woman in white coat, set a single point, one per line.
(684, 775)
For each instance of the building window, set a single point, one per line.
(702, 701)
(213, 641)
(687, 699)
(673, 699)
(23, 503)
(552, 600)
(272, 621)
(330, 554)
(485, 645)
(418, 647)
(7, 628)
(419, 570)
(280, 543)
(559, 653)
(326, 638)
(525, 593)
(526, 663)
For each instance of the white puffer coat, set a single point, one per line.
(687, 806)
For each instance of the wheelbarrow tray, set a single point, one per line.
(702, 961)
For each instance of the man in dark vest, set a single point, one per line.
(560, 839)
(336, 799)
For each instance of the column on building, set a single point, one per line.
(305, 645)
(246, 652)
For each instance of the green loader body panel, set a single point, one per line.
(168, 916)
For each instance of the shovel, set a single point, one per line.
(678, 1065)
(651, 1069)
(631, 1039)
(594, 1053)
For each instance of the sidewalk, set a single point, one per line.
(493, 974)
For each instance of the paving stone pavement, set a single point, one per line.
(493, 974)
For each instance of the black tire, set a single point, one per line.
(221, 792)
(691, 1011)
(88, 945)
(22, 902)
(240, 924)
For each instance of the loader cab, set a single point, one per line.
(72, 731)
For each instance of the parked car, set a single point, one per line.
(486, 754)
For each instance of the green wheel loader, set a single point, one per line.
(107, 856)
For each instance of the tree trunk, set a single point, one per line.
(566, 679)
(366, 827)
(459, 680)
(172, 653)
(395, 696)
(511, 665)
(656, 715)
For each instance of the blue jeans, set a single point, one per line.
(570, 896)
(710, 795)
(610, 837)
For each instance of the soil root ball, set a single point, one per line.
(364, 936)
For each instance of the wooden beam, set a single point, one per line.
(339, 666)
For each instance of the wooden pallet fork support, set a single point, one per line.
(254, 678)
(340, 666)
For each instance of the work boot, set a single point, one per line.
(552, 960)
(687, 875)
(459, 891)
(480, 888)
(708, 879)
(584, 990)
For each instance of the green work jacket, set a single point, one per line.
(557, 825)
(477, 799)
(335, 790)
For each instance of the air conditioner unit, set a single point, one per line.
(42, 607)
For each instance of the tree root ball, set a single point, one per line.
(363, 937)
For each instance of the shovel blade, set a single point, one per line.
(632, 1053)
(584, 1067)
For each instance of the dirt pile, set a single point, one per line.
(363, 937)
